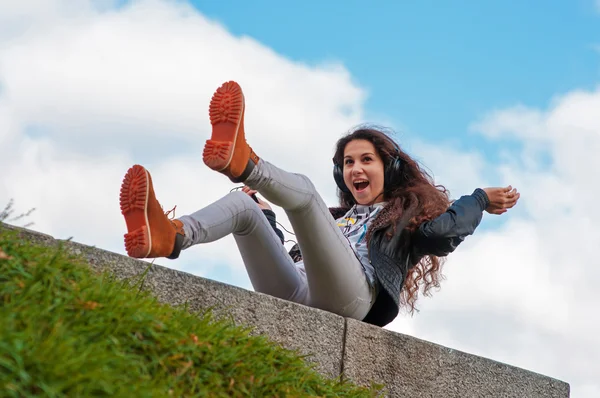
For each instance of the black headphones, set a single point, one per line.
(391, 176)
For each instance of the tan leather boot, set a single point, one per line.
(227, 151)
(150, 233)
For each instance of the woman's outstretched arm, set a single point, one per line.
(441, 236)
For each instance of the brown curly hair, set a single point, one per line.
(414, 200)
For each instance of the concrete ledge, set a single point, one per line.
(415, 368)
(407, 366)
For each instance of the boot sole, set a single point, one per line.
(133, 199)
(225, 111)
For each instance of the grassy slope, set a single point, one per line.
(66, 331)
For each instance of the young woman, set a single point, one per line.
(394, 225)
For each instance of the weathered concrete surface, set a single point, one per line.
(316, 333)
(410, 367)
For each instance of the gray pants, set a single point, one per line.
(333, 279)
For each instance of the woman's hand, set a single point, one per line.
(261, 203)
(501, 199)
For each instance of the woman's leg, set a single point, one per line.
(270, 268)
(151, 234)
(336, 279)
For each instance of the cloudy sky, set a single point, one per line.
(483, 95)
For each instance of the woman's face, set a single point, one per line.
(363, 172)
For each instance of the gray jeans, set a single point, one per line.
(333, 279)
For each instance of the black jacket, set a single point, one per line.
(392, 258)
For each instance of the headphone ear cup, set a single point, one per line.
(338, 176)
(392, 174)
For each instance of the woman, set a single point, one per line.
(396, 226)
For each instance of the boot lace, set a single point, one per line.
(169, 212)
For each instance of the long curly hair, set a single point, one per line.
(414, 200)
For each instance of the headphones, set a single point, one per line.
(391, 173)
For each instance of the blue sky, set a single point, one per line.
(432, 68)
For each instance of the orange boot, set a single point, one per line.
(227, 151)
(150, 233)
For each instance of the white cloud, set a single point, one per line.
(149, 71)
(86, 92)
(458, 171)
(89, 93)
(526, 293)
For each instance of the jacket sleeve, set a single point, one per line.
(441, 236)
(270, 214)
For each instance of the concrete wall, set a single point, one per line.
(407, 366)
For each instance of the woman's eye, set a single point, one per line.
(367, 159)
(347, 161)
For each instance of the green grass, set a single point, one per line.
(67, 331)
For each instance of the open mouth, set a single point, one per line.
(361, 185)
